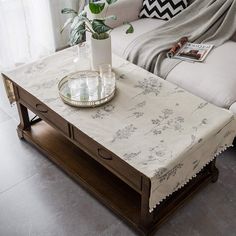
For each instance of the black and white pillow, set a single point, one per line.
(162, 9)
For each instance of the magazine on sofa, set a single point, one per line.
(189, 51)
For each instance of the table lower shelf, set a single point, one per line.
(90, 174)
(101, 183)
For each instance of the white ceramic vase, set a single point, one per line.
(101, 52)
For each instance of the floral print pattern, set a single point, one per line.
(137, 114)
(158, 154)
(106, 110)
(165, 175)
(201, 106)
(36, 67)
(165, 133)
(149, 86)
(195, 164)
(138, 106)
(131, 156)
(124, 133)
(166, 121)
(121, 77)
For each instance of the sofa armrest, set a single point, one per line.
(125, 10)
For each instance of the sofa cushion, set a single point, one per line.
(120, 40)
(162, 9)
(124, 10)
(214, 80)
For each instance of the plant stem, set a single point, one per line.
(106, 11)
(89, 30)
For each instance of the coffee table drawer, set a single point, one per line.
(108, 159)
(43, 111)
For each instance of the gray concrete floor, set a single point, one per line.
(38, 199)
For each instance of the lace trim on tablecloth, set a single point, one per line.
(186, 182)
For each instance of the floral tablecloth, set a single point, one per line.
(161, 130)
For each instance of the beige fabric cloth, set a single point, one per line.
(164, 132)
(9, 89)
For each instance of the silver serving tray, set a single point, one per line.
(86, 89)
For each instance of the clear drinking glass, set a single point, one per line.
(82, 60)
(107, 77)
(104, 69)
(109, 80)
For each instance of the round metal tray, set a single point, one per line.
(86, 89)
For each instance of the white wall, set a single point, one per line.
(61, 40)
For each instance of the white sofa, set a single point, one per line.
(214, 80)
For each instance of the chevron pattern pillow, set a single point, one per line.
(162, 9)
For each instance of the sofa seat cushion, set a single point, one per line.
(120, 40)
(213, 80)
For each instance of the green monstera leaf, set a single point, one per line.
(96, 7)
(77, 34)
(130, 30)
(111, 1)
(68, 21)
(80, 23)
(100, 36)
(99, 26)
(68, 11)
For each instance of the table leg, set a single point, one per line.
(146, 218)
(24, 120)
(214, 171)
(23, 115)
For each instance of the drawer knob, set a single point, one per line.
(41, 108)
(104, 154)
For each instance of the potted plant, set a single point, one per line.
(100, 31)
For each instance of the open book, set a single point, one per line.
(189, 51)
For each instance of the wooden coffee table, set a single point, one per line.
(108, 177)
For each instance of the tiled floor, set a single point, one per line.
(38, 199)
